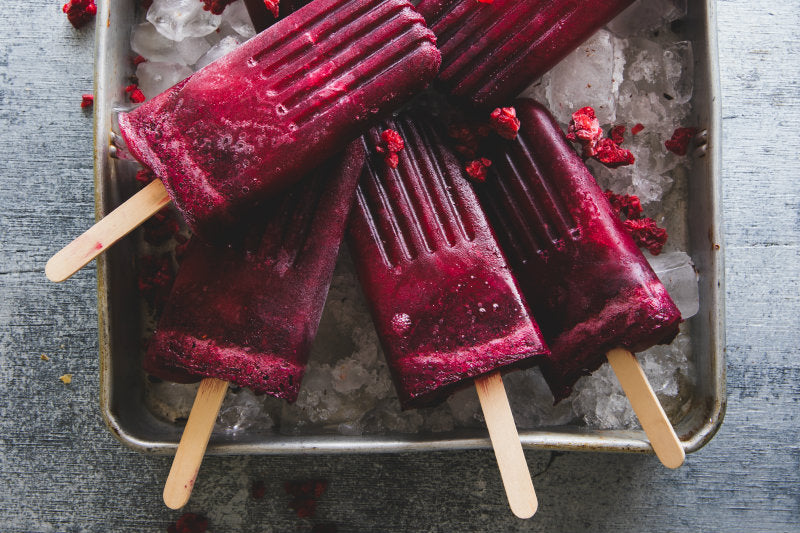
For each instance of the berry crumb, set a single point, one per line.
(80, 12)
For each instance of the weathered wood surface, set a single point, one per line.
(61, 470)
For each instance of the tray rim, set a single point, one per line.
(633, 441)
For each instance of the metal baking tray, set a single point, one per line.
(121, 381)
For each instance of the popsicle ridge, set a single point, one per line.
(443, 300)
(414, 217)
(253, 122)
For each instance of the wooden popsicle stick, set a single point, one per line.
(507, 447)
(648, 409)
(194, 440)
(107, 231)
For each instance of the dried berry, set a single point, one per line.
(145, 176)
(504, 122)
(627, 205)
(476, 169)
(87, 100)
(138, 60)
(391, 143)
(189, 523)
(80, 12)
(134, 93)
(305, 495)
(258, 489)
(584, 127)
(637, 129)
(647, 234)
(611, 155)
(216, 6)
(618, 134)
(273, 6)
(679, 143)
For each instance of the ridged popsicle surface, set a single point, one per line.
(492, 51)
(444, 302)
(249, 124)
(248, 312)
(587, 283)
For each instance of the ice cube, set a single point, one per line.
(227, 44)
(155, 77)
(153, 46)
(589, 76)
(532, 401)
(242, 409)
(179, 19)
(236, 19)
(676, 271)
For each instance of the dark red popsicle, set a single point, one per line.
(588, 285)
(251, 123)
(492, 50)
(248, 312)
(444, 302)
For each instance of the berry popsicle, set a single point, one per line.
(444, 303)
(590, 288)
(248, 312)
(491, 51)
(248, 125)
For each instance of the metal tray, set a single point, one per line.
(121, 383)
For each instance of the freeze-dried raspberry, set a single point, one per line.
(679, 143)
(155, 279)
(134, 93)
(637, 129)
(273, 6)
(486, 1)
(305, 495)
(618, 134)
(585, 128)
(87, 100)
(145, 176)
(476, 169)
(504, 122)
(611, 155)
(624, 204)
(138, 60)
(391, 143)
(258, 489)
(216, 6)
(647, 234)
(189, 523)
(159, 228)
(466, 142)
(80, 12)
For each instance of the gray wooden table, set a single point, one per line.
(61, 470)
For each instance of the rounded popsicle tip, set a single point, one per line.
(525, 508)
(673, 457)
(176, 498)
(56, 271)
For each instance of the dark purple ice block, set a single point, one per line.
(248, 313)
(250, 124)
(589, 286)
(492, 51)
(444, 302)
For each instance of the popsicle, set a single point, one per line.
(248, 312)
(492, 50)
(248, 125)
(589, 287)
(445, 305)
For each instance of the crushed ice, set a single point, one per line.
(629, 75)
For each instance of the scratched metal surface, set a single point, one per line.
(61, 470)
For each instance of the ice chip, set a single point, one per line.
(155, 77)
(236, 18)
(677, 273)
(227, 44)
(153, 46)
(589, 76)
(179, 19)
